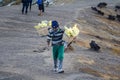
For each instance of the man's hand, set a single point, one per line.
(48, 43)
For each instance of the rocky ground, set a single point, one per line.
(19, 40)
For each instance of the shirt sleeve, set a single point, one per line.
(49, 37)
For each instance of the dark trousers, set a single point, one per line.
(43, 9)
(25, 8)
(30, 4)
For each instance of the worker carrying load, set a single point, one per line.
(55, 36)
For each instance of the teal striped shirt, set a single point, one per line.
(55, 36)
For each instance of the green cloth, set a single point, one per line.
(58, 52)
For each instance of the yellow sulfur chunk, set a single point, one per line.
(43, 24)
(72, 32)
(68, 31)
(50, 23)
(45, 21)
(37, 27)
(39, 24)
(75, 30)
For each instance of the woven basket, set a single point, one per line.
(43, 31)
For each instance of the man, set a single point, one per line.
(25, 6)
(55, 35)
(30, 4)
(40, 7)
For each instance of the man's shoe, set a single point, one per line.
(55, 69)
(60, 71)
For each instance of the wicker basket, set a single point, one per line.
(43, 31)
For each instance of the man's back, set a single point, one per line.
(40, 2)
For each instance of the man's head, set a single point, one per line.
(55, 25)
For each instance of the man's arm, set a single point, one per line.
(48, 39)
(48, 43)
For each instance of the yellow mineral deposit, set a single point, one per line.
(50, 23)
(76, 31)
(68, 31)
(72, 31)
(42, 27)
(37, 27)
(43, 24)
